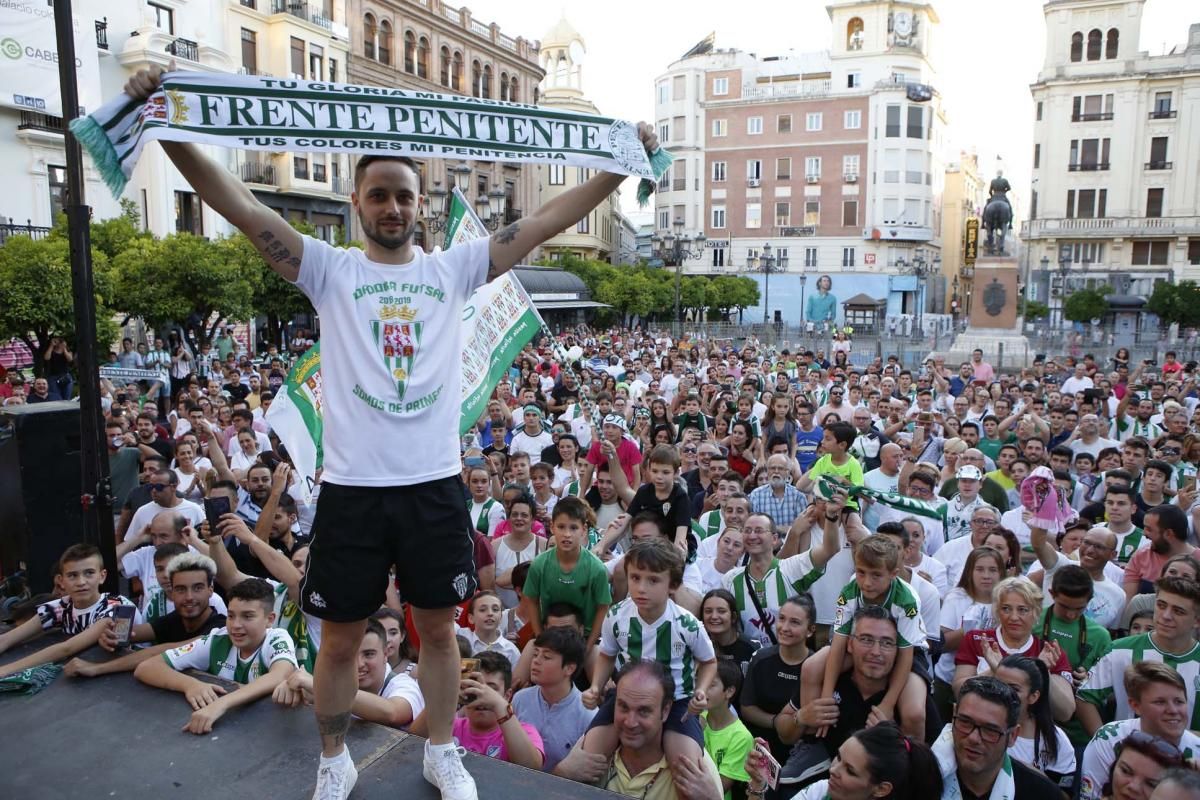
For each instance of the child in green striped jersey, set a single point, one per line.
(649, 626)
(877, 582)
(249, 651)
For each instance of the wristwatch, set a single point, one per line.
(507, 716)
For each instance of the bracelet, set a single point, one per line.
(507, 716)
(832, 519)
(752, 792)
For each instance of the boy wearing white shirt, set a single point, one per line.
(485, 613)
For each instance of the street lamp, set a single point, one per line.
(491, 207)
(767, 262)
(921, 269)
(673, 247)
(803, 280)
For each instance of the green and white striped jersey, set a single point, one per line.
(901, 603)
(215, 654)
(676, 640)
(784, 579)
(1130, 543)
(304, 629)
(1106, 680)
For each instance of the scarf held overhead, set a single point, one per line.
(261, 113)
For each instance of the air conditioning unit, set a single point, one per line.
(851, 177)
(753, 183)
(812, 178)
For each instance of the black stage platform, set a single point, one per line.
(113, 737)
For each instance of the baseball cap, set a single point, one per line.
(969, 472)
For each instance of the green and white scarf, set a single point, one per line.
(826, 485)
(262, 113)
(1004, 788)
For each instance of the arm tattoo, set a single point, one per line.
(334, 725)
(506, 235)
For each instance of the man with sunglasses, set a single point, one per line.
(973, 750)
(162, 484)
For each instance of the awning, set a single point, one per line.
(557, 305)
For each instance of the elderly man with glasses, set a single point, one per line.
(953, 554)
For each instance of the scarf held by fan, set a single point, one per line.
(263, 113)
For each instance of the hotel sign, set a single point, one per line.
(971, 241)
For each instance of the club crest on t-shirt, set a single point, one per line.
(398, 343)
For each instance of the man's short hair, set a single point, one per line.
(1139, 676)
(165, 552)
(1184, 778)
(519, 573)
(729, 672)
(878, 552)
(254, 590)
(875, 612)
(565, 609)
(188, 561)
(1073, 581)
(572, 508)
(1181, 587)
(496, 664)
(360, 169)
(994, 691)
(1171, 518)
(566, 642)
(666, 455)
(376, 627)
(656, 671)
(243, 414)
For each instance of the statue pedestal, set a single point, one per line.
(995, 323)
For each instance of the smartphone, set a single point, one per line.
(1189, 482)
(122, 398)
(924, 417)
(773, 767)
(474, 461)
(1039, 358)
(466, 666)
(214, 507)
(269, 459)
(123, 623)
(1152, 362)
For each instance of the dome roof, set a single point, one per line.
(563, 33)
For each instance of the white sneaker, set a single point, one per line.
(447, 773)
(336, 778)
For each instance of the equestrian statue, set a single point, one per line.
(997, 214)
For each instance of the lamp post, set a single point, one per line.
(921, 269)
(491, 207)
(767, 261)
(673, 247)
(803, 280)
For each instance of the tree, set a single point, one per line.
(728, 294)
(1033, 310)
(1177, 303)
(1085, 305)
(38, 302)
(184, 280)
(113, 236)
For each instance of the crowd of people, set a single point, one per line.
(695, 559)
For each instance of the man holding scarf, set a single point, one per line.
(392, 324)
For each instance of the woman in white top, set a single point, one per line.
(520, 544)
(967, 607)
(1041, 744)
(879, 761)
(246, 454)
(191, 475)
(566, 475)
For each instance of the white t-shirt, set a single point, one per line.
(405, 687)
(146, 514)
(710, 578)
(954, 555)
(1013, 519)
(502, 645)
(936, 571)
(522, 442)
(1064, 764)
(880, 482)
(958, 516)
(958, 606)
(931, 604)
(838, 572)
(507, 558)
(392, 350)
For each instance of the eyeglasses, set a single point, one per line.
(870, 642)
(919, 489)
(158, 487)
(691, 450)
(983, 521)
(965, 726)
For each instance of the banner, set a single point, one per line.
(499, 320)
(132, 375)
(29, 59)
(263, 113)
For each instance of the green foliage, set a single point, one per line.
(1032, 310)
(1084, 305)
(35, 284)
(184, 279)
(113, 236)
(1176, 303)
(649, 292)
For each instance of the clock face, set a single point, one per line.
(903, 23)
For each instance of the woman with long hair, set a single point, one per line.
(1040, 743)
(191, 475)
(723, 623)
(401, 655)
(744, 448)
(966, 607)
(1005, 542)
(876, 763)
(779, 421)
(764, 694)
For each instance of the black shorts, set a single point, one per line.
(678, 721)
(361, 532)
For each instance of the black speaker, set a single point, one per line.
(40, 470)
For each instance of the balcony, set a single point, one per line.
(1158, 165)
(1099, 116)
(1163, 113)
(342, 186)
(317, 15)
(33, 121)
(8, 229)
(102, 33)
(783, 91)
(185, 49)
(258, 172)
(1097, 167)
(1111, 227)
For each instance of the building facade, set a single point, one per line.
(598, 235)
(428, 45)
(832, 158)
(963, 200)
(1114, 200)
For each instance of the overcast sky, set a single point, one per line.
(630, 42)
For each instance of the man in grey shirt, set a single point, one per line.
(553, 704)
